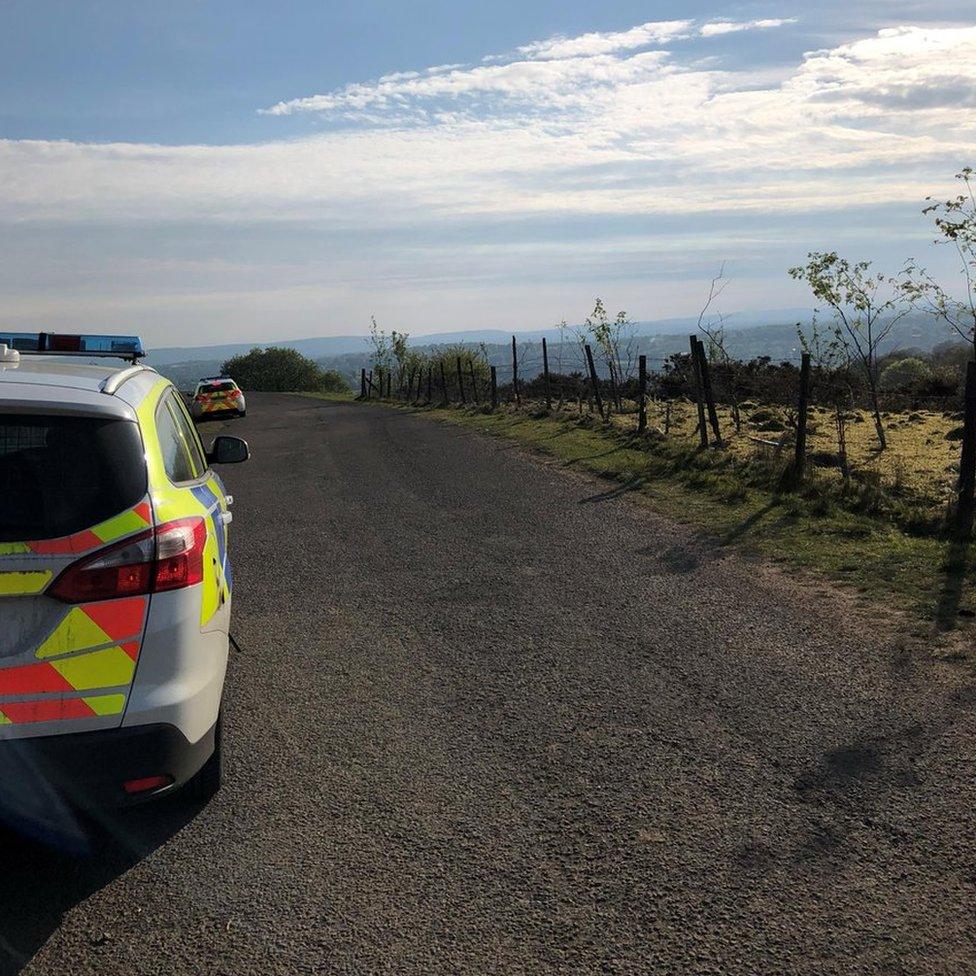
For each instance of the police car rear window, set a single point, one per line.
(59, 475)
(218, 387)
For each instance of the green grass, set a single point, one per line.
(816, 528)
(348, 397)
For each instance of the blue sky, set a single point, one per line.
(207, 171)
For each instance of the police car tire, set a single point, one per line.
(241, 413)
(206, 783)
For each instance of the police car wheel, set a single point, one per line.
(241, 413)
(206, 783)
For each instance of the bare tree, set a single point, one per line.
(955, 220)
(711, 324)
(866, 307)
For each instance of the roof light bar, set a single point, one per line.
(66, 344)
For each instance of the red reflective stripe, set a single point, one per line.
(144, 512)
(131, 648)
(118, 618)
(48, 710)
(31, 679)
(79, 542)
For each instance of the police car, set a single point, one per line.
(115, 586)
(217, 394)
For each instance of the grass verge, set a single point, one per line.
(915, 571)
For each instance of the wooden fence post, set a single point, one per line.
(515, 383)
(369, 381)
(696, 376)
(706, 378)
(967, 460)
(800, 457)
(362, 384)
(460, 377)
(641, 394)
(494, 389)
(474, 382)
(447, 399)
(595, 381)
(545, 373)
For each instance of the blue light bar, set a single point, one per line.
(65, 344)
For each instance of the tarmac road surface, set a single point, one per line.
(491, 717)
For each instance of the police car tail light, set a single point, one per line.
(167, 558)
(179, 553)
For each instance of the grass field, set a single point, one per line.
(919, 467)
(881, 535)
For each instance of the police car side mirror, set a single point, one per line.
(228, 450)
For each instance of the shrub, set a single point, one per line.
(905, 375)
(276, 370)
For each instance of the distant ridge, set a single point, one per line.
(324, 346)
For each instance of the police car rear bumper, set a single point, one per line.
(89, 769)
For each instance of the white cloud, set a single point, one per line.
(586, 45)
(716, 27)
(546, 71)
(630, 133)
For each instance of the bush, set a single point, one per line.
(275, 370)
(905, 375)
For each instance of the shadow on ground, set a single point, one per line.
(49, 868)
(955, 568)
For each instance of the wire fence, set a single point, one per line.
(908, 454)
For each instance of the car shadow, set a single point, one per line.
(49, 868)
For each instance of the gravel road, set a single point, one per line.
(491, 718)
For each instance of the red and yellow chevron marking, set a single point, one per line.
(58, 709)
(95, 646)
(110, 667)
(212, 405)
(94, 624)
(117, 527)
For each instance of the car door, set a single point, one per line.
(204, 493)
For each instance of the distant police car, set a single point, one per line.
(115, 586)
(217, 394)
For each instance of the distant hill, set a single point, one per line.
(186, 364)
(657, 340)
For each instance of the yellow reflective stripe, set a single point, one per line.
(107, 668)
(210, 588)
(75, 632)
(119, 526)
(13, 548)
(23, 584)
(106, 704)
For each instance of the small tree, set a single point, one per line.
(616, 342)
(711, 325)
(866, 307)
(955, 220)
(382, 350)
(398, 350)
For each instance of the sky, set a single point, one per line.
(205, 171)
